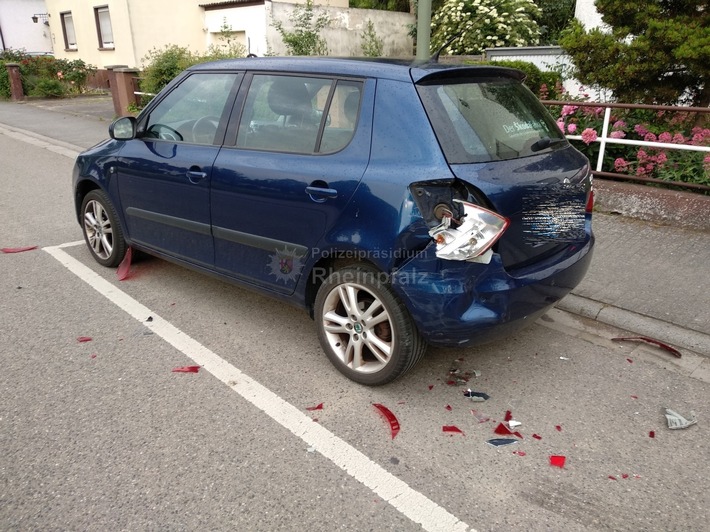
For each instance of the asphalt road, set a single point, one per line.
(103, 435)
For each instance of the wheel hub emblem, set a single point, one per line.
(358, 328)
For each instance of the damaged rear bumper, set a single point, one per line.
(464, 303)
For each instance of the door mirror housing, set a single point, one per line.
(123, 128)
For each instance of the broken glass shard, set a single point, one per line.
(480, 416)
(124, 269)
(83, 339)
(18, 250)
(319, 406)
(652, 341)
(498, 442)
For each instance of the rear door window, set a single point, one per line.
(297, 114)
(480, 120)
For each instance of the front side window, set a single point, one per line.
(296, 114)
(487, 119)
(68, 31)
(103, 27)
(193, 111)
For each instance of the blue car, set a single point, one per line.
(400, 204)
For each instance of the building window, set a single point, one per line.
(68, 31)
(103, 27)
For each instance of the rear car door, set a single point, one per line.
(300, 150)
(164, 174)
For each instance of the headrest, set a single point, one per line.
(289, 96)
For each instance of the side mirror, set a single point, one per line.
(123, 128)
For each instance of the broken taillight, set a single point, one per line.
(471, 237)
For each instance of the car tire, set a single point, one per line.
(102, 230)
(365, 331)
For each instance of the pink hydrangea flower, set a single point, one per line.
(589, 135)
(620, 165)
(678, 138)
(665, 137)
(619, 124)
(571, 128)
(661, 158)
(569, 110)
(640, 130)
(561, 125)
(650, 137)
(617, 135)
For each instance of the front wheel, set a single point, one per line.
(102, 230)
(364, 329)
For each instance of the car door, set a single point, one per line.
(164, 174)
(300, 150)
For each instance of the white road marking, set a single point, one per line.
(396, 492)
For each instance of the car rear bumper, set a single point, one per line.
(462, 303)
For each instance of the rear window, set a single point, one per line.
(480, 120)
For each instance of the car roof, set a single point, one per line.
(396, 69)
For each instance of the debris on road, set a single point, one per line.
(676, 421)
(652, 341)
(476, 396)
(124, 269)
(390, 417)
(499, 442)
(452, 429)
(558, 461)
(18, 250)
(319, 406)
(187, 369)
(503, 430)
(480, 416)
(84, 339)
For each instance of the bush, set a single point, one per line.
(48, 88)
(162, 65)
(372, 45)
(548, 83)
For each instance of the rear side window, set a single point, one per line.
(298, 114)
(480, 120)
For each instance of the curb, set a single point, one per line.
(653, 204)
(637, 323)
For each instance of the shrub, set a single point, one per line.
(48, 88)
(548, 83)
(162, 65)
(305, 37)
(372, 45)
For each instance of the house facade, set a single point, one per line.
(107, 33)
(25, 25)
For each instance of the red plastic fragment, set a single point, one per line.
(652, 434)
(648, 340)
(629, 361)
(634, 397)
(557, 461)
(453, 429)
(187, 369)
(519, 453)
(448, 407)
(93, 355)
(431, 387)
(559, 428)
(124, 269)
(18, 250)
(625, 475)
(537, 436)
(508, 416)
(319, 406)
(83, 339)
(505, 431)
(390, 417)
(612, 477)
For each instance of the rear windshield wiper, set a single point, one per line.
(546, 142)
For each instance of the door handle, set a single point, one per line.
(195, 176)
(320, 194)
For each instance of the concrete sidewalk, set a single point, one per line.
(647, 278)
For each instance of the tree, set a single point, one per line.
(656, 51)
(305, 37)
(475, 25)
(555, 16)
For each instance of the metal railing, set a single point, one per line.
(605, 139)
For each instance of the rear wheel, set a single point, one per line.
(364, 329)
(102, 231)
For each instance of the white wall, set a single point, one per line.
(344, 33)
(18, 30)
(252, 20)
(587, 14)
